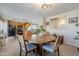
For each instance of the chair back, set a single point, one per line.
(27, 36)
(21, 41)
(60, 39)
(56, 44)
(55, 35)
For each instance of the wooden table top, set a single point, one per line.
(42, 39)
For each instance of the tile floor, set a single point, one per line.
(12, 49)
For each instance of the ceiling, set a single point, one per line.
(34, 11)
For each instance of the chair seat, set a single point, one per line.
(30, 47)
(48, 47)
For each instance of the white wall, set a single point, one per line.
(68, 30)
(0, 25)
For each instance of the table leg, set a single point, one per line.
(39, 49)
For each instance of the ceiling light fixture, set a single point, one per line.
(45, 6)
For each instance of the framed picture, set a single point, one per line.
(73, 20)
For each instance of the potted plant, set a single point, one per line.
(41, 30)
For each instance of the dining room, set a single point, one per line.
(31, 29)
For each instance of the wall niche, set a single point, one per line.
(57, 22)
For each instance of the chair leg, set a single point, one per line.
(58, 51)
(26, 53)
(20, 51)
(36, 52)
(42, 52)
(78, 49)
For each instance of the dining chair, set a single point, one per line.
(27, 36)
(2, 39)
(25, 45)
(61, 39)
(52, 47)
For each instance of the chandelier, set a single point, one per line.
(45, 6)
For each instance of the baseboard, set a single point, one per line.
(69, 43)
